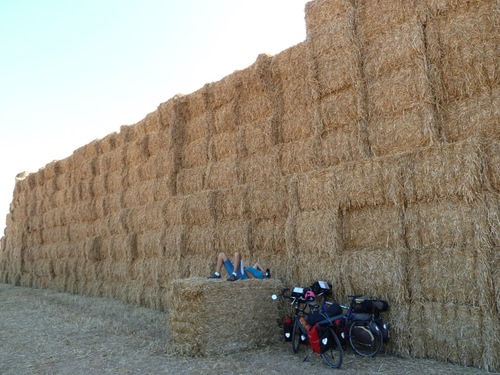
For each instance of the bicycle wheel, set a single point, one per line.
(298, 337)
(365, 341)
(334, 356)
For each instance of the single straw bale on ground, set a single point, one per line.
(200, 310)
(384, 268)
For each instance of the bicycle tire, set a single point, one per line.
(297, 335)
(334, 356)
(366, 346)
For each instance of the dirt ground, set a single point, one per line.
(46, 332)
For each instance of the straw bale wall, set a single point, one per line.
(367, 155)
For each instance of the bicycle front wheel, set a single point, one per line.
(334, 356)
(364, 339)
(298, 337)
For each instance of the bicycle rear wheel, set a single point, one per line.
(334, 356)
(365, 339)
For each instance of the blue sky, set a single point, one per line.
(74, 71)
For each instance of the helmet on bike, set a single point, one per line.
(310, 295)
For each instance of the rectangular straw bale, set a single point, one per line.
(230, 237)
(190, 181)
(445, 170)
(378, 17)
(297, 123)
(336, 58)
(223, 145)
(252, 89)
(293, 69)
(259, 136)
(315, 190)
(231, 204)
(196, 105)
(152, 122)
(99, 185)
(322, 14)
(165, 163)
(224, 91)
(468, 49)
(449, 223)
(195, 153)
(139, 193)
(108, 143)
(341, 108)
(341, 145)
(173, 210)
(472, 116)
(117, 222)
(384, 268)
(453, 333)
(403, 131)
(373, 227)
(399, 90)
(135, 154)
(199, 209)
(114, 160)
(493, 162)
(254, 107)
(222, 174)
(402, 45)
(225, 119)
(195, 129)
(446, 275)
(200, 309)
(262, 166)
(297, 157)
(112, 203)
(319, 234)
(268, 238)
(150, 243)
(267, 200)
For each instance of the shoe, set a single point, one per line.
(268, 273)
(233, 277)
(213, 276)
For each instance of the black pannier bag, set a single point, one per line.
(372, 306)
(332, 310)
(288, 328)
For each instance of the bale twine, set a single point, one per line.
(200, 309)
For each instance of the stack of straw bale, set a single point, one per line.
(210, 317)
(367, 155)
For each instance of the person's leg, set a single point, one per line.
(221, 259)
(237, 264)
